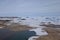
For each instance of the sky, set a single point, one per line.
(29, 7)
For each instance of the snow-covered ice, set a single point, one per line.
(36, 21)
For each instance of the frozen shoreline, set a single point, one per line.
(39, 32)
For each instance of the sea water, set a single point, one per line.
(20, 35)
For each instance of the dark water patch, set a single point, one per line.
(6, 34)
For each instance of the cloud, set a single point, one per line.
(30, 6)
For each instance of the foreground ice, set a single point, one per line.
(39, 32)
(33, 37)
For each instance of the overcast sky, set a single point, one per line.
(29, 7)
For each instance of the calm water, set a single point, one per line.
(9, 35)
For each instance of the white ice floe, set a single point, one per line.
(37, 20)
(39, 31)
(33, 37)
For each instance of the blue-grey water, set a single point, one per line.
(20, 35)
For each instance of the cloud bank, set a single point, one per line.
(29, 7)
